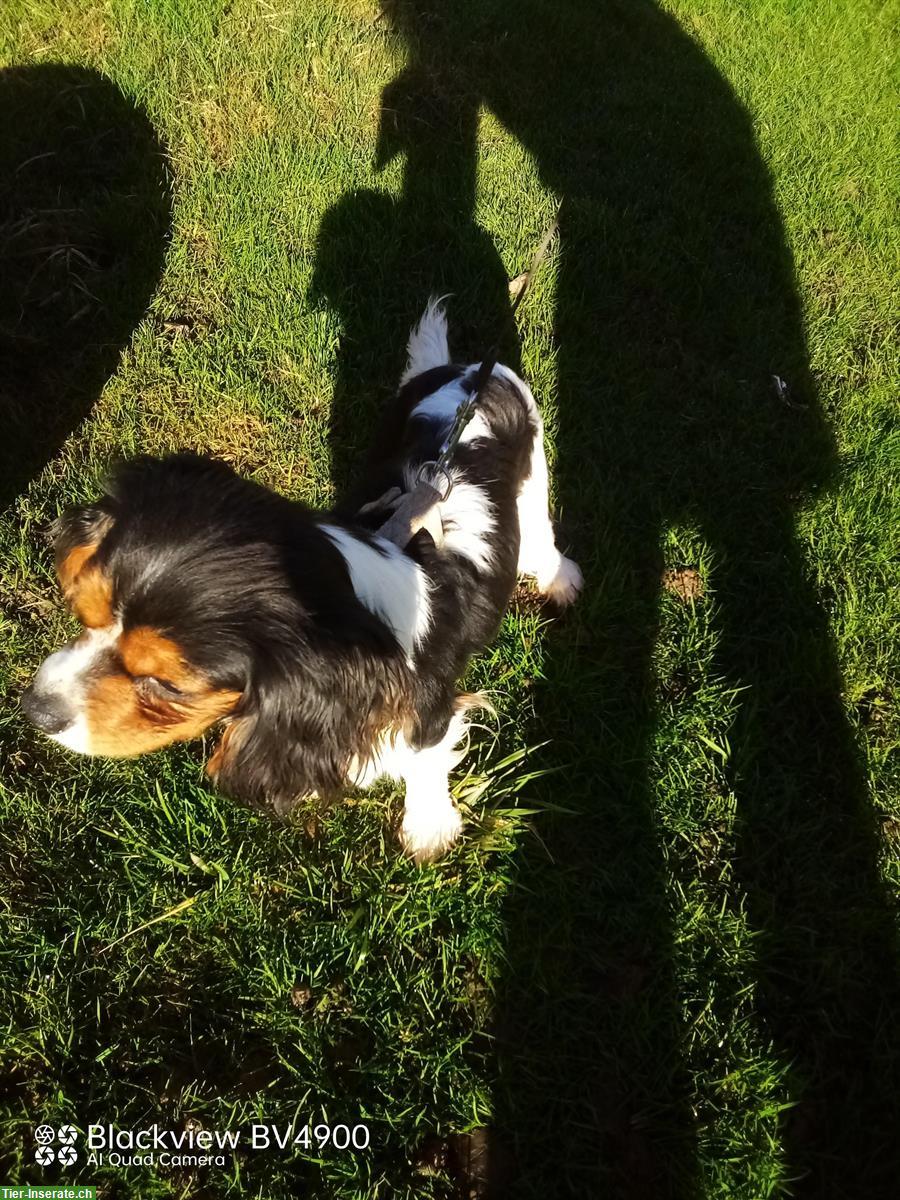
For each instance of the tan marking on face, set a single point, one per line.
(86, 587)
(70, 567)
(91, 598)
(146, 651)
(123, 722)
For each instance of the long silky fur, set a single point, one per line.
(260, 600)
(304, 719)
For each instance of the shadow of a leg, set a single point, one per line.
(807, 855)
(592, 1088)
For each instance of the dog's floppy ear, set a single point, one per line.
(84, 525)
(288, 739)
(303, 720)
(76, 536)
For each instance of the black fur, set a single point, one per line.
(259, 598)
(467, 604)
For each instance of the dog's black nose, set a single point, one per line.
(48, 710)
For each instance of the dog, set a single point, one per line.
(330, 655)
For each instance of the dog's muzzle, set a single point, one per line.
(50, 711)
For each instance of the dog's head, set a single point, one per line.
(204, 597)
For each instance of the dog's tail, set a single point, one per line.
(428, 346)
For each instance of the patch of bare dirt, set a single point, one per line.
(684, 582)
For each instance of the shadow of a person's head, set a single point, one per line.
(84, 217)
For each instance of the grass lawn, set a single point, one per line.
(663, 962)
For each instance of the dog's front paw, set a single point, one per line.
(428, 830)
(562, 590)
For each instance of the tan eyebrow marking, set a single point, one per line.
(146, 651)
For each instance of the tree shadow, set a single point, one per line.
(676, 304)
(85, 210)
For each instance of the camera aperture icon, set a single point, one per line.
(45, 1135)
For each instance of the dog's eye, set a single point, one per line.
(160, 686)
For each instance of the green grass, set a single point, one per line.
(663, 962)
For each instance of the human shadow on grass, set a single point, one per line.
(676, 304)
(84, 220)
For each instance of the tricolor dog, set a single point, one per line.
(329, 655)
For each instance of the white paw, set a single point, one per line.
(565, 585)
(428, 830)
